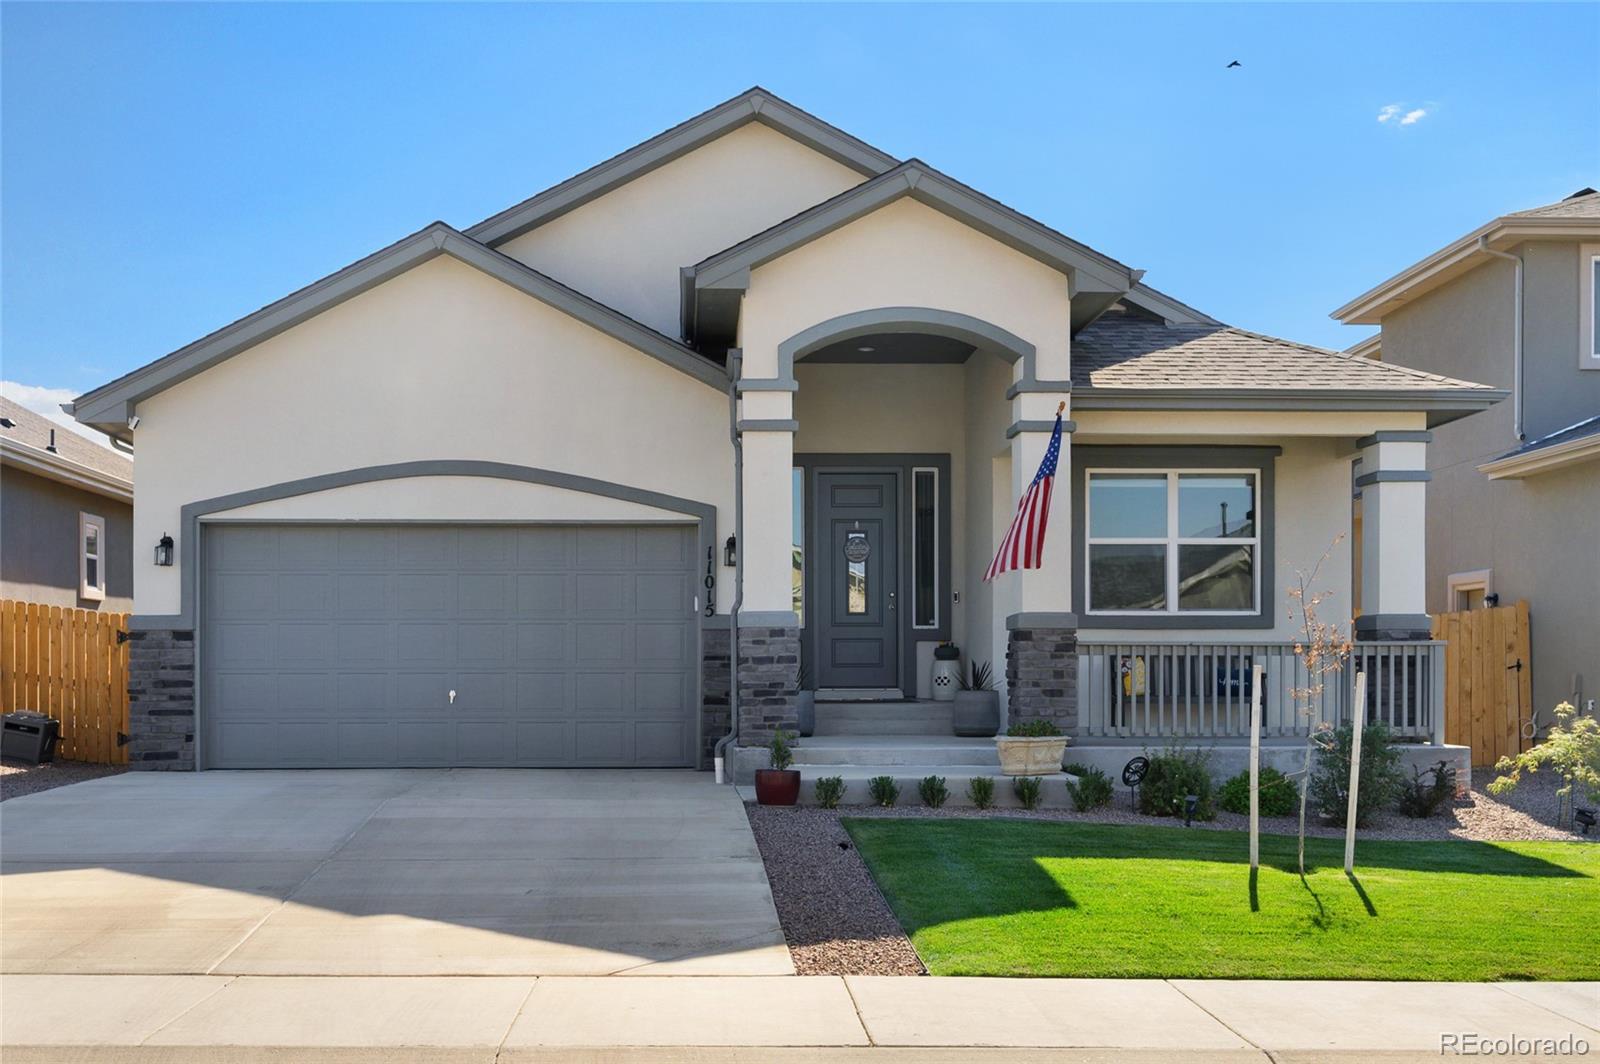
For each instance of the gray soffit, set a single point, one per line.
(895, 349)
(1147, 298)
(1090, 271)
(753, 105)
(109, 406)
(1441, 406)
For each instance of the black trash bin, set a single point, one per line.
(29, 736)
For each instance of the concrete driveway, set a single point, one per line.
(386, 872)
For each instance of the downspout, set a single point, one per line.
(723, 776)
(1516, 340)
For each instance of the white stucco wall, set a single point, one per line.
(626, 247)
(442, 362)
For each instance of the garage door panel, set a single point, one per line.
(565, 645)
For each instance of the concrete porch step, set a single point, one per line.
(882, 749)
(956, 779)
(883, 718)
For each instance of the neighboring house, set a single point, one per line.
(66, 516)
(489, 496)
(1514, 503)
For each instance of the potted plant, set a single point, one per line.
(1031, 748)
(805, 704)
(976, 711)
(780, 784)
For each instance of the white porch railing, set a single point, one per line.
(1162, 691)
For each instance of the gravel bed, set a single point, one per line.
(833, 916)
(18, 778)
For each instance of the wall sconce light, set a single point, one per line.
(730, 552)
(164, 550)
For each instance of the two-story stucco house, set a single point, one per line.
(586, 483)
(1514, 503)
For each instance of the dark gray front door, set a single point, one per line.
(463, 645)
(858, 573)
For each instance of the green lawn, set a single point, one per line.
(1014, 897)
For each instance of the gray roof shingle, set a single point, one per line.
(1583, 204)
(1121, 351)
(33, 430)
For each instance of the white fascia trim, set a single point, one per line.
(1369, 307)
(54, 467)
(1543, 460)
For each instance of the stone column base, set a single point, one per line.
(161, 700)
(716, 668)
(769, 679)
(1042, 676)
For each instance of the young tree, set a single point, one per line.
(1323, 649)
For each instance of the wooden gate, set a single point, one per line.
(69, 664)
(1488, 680)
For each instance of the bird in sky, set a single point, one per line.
(1233, 64)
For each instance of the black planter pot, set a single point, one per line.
(777, 786)
(806, 713)
(975, 714)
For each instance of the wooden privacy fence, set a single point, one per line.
(68, 663)
(1488, 680)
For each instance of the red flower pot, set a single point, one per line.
(777, 786)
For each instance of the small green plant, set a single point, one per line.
(1173, 775)
(1092, 790)
(1428, 791)
(1029, 790)
(884, 790)
(1034, 729)
(934, 792)
(830, 791)
(1381, 779)
(1571, 748)
(1278, 793)
(780, 749)
(981, 791)
(980, 679)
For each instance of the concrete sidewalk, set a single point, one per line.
(103, 1018)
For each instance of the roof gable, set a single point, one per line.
(109, 407)
(753, 105)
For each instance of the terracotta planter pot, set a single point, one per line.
(777, 786)
(976, 714)
(1031, 757)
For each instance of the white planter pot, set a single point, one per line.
(946, 680)
(1031, 757)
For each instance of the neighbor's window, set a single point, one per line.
(1173, 542)
(1594, 302)
(91, 556)
(1589, 312)
(925, 548)
(797, 581)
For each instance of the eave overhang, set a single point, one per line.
(1458, 258)
(42, 463)
(1543, 459)
(753, 105)
(1440, 406)
(110, 407)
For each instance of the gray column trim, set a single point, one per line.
(1148, 457)
(1045, 387)
(1019, 621)
(930, 320)
(1395, 436)
(768, 619)
(1374, 626)
(771, 424)
(774, 384)
(717, 622)
(1394, 476)
(159, 622)
(1017, 428)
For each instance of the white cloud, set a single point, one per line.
(1400, 114)
(1412, 117)
(1388, 111)
(47, 402)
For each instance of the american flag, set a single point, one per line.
(1023, 545)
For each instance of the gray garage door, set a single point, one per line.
(340, 645)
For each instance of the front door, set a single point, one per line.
(858, 577)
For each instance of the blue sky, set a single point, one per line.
(169, 168)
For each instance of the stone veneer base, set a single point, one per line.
(769, 678)
(1042, 676)
(161, 700)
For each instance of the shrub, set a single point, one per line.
(1092, 790)
(1173, 775)
(1329, 790)
(1279, 796)
(1571, 748)
(830, 791)
(934, 792)
(780, 752)
(1029, 790)
(981, 791)
(1427, 791)
(884, 790)
(980, 679)
(1034, 729)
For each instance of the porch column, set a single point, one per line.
(1041, 629)
(1393, 482)
(769, 631)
